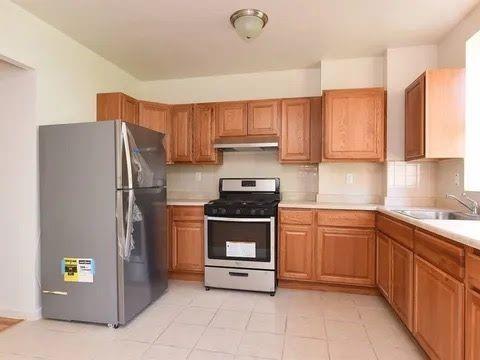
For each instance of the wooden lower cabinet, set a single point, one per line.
(383, 264)
(401, 293)
(472, 325)
(345, 256)
(438, 312)
(296, 252)
(186, 239)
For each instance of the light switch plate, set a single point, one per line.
(349, 178)
(198, 176)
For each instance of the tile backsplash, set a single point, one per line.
(201, 181)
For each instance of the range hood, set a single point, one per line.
(246, 143)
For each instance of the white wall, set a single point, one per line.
(18, 191)
(451, 53)
(271, 84)
(352, 73)
(67, 77)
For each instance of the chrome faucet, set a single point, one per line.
(473, 206)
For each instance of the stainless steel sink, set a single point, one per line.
(438, 215)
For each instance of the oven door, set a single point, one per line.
(240, 242)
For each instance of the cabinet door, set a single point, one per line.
(204, 134)
(438, 312)
(263, 117)
(117, 106)
(187, 246)
(472, 326)
(345, 256)
(401, 296)
(157, 117)
(354, 124)
(232, 119)
(182, 133)
(415, 119)
(295, 131)
(296, 250)
(383, 264)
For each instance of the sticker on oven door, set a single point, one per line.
(240, 249)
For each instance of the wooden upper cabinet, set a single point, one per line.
(383, 264)
(204, 134)
(345, 256)
(438, 312)
(435, 115)
(354, 125)
(232, 119)
(415, 119)
(401, 295)
(296, 252)
(263, 117)
(295, 133)
(182, 149)
(156, 117)
(117, 106)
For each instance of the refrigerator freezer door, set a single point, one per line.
(142, 264)
(142, 161)
(77, 208)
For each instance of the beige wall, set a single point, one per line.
(66, 78)
(352, 73)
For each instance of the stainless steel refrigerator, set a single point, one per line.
(103, 220)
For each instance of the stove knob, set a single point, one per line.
(252, 212)
(223, 211)
(237, 212)
(214, 211)
(262, 212)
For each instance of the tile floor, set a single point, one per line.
(190, 323)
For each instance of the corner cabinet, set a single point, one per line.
(300, 130)
(354, 125)
(435, 115)
(117, 106)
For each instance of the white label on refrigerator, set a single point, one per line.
(240, 249)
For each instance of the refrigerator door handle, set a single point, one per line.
(124, 233)
(128, 155)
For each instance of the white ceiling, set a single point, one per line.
(160, 39)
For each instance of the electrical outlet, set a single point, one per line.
(349, 179)
(457, 179)
(198, 176)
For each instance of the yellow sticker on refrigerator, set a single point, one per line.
(78, 270)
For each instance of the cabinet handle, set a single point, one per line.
(239, 274)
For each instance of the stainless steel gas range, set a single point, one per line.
(241, 235)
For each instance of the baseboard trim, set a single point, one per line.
(307, 285)
(187, 276)
(16, 314)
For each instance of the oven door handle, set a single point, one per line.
(226, 219)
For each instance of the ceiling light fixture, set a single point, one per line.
(249, 22)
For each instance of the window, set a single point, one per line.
(472, 121)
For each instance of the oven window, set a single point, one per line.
(248, 241)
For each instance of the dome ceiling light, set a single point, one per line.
(248, 22)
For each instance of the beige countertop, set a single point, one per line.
(466, 232)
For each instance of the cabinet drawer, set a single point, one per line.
(473, 269)
(346, 218)
(187, 212)
(296, 217)
(446, 256)
(402, 233)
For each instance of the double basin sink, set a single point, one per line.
(438, 215)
